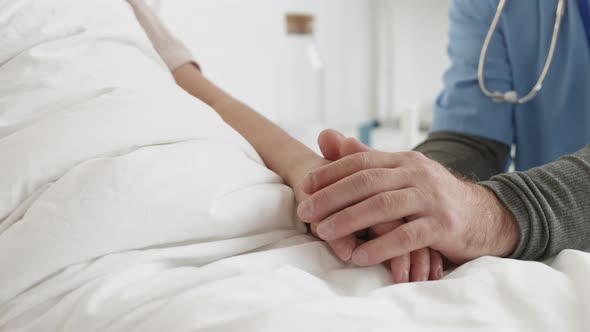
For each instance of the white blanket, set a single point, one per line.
(127, 205)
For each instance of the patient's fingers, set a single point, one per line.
(416, 263)
(342, 248)
(420, 269)
(436, 265)
(400, 268)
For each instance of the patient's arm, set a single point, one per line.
(283, 154)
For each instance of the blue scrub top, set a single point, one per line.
(557, 121)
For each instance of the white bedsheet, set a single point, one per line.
(127, 205)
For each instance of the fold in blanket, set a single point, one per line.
(102, 153)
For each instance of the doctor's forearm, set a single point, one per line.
(551, 205)
(473, 157)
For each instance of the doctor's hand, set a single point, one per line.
(461, 220)
(420, 265)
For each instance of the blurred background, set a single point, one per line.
(380, 59)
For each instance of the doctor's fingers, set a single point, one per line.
(353, 189)
(330, 143)
(381, 208)
(351, 146)
(414, 235)
(342, 247)
(333, 172)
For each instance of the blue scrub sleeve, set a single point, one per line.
(462, 107)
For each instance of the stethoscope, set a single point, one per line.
(512, 96)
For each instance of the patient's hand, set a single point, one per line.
(420, 265)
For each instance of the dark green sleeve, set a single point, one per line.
(473, 157)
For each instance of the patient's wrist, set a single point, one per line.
(302, 163)
(194, 82)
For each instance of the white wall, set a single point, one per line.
(237, 42)
(419, 39)
(411, 59)
(382, 56)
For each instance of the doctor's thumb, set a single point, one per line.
(352, 146)
(330, 142)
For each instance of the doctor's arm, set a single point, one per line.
(551, 205)
(472, 157)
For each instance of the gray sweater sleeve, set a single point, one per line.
(550, 203)
(472, 157)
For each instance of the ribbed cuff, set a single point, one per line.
(171, 50)
(176, 57)
(514, 203)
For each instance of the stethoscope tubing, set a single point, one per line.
(512, 96)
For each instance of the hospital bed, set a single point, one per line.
(127, 205)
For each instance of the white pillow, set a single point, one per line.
(58, 53)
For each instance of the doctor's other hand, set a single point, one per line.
(420, 265)
(460, 219)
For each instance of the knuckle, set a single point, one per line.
(370, 178)
(321, 198)
(385, 202)
(362, 161)
(318, 178)
(416, 194)
(407, 173)
(429, 173)
(420, 172)
(363, 180)
(380, 174)
(406, 237)
(430, 180)
(415, 156)
(380, 248)
(447, 221)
